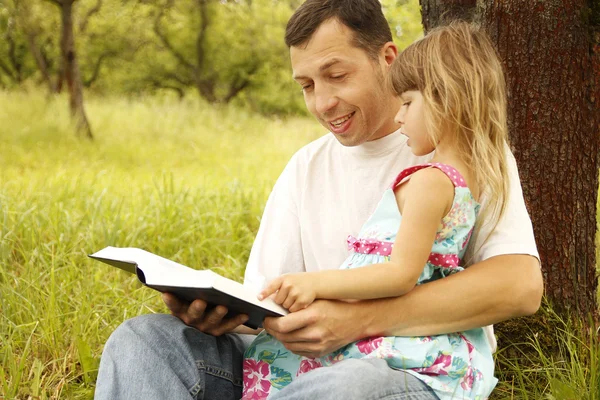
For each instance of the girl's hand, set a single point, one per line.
(294, 291)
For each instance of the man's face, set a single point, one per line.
(344, 88)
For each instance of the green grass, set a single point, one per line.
(558, 358)
(181, 179)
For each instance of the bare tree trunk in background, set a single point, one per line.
(40, 61)
(551, 54)
(71, 72)
(30, 27)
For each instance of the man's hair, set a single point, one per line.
(364, 17)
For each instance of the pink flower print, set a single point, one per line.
(466, 382)
(470, 347)
(254, 395)
(440, 366)
(308, 365)
(256, 379)
(367, 345)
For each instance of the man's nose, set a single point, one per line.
(325, 100)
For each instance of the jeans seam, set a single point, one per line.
(196, 389)
(218, 372)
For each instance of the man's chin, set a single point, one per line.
(348, 140)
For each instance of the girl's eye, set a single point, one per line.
(338, 77)
(406, 104)
(306, 87)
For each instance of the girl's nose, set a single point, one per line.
(399, 118)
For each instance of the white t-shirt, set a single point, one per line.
(328, 191)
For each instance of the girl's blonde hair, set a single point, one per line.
(459, 74)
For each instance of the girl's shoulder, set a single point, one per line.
(432, 181)
(431, 174)
(430, 186)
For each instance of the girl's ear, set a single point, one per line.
(388, 53)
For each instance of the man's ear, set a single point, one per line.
(388, 53)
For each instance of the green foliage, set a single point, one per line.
(404, 17)
(139, 47)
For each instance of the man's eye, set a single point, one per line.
(306, 87)
(338, 77)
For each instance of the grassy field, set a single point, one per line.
(181, 179)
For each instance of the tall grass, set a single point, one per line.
(559, 359)
(184, 180)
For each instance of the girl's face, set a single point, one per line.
(412, 120)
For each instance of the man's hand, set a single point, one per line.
(195, 314)
(293, 291)
(319, 329)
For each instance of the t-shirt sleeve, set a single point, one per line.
(514, 232)
(277, 248)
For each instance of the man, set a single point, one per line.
(341, 51)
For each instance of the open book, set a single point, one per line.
(189, 284)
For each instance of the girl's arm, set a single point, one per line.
(424, 201)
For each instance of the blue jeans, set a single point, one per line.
(157, 356)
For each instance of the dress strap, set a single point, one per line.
(451, 172)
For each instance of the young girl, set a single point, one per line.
(453, 101)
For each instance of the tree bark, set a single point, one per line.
(550, 51)
(436, 12)
(71, 70)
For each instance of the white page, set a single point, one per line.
(159, 270)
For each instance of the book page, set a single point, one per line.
(155, 269)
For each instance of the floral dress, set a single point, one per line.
(456, 366)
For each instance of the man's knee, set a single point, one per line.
(356, 379)
(144, 330)
(348, 379)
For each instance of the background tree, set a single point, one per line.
(550, 50)
(222, 51)
(70, 67)
(16, 65)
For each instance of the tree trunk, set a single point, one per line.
(550, 53)
(40, 61)
(436, 12)
(71, 70)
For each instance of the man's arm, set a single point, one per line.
(491, 291)
(486, 293)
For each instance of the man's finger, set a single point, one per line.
(229, 324)
(195, 312)
(213, 319)
(306, 349)
(174, 304)
(290, 322)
